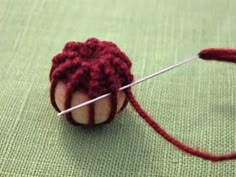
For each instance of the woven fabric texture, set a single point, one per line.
(195, 103)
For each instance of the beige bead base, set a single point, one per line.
(102, 107)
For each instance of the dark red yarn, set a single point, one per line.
(171, 139)
(219, 54)
(93, 67)
(98, 67)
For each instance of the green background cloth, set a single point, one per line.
(195, 103)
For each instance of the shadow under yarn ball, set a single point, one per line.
(83, 71)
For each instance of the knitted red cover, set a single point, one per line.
(93, 67)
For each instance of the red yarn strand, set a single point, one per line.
(124, 105)
(52, 95)
(157, 128)
(218, 54)
(113, 105)
(91, 120)
(67, 104)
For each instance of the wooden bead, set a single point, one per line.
(81, 116)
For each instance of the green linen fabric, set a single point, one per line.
(195, 103)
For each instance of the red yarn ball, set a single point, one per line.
(98, 67)
(93, 67)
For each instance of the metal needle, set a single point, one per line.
(130, 85)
